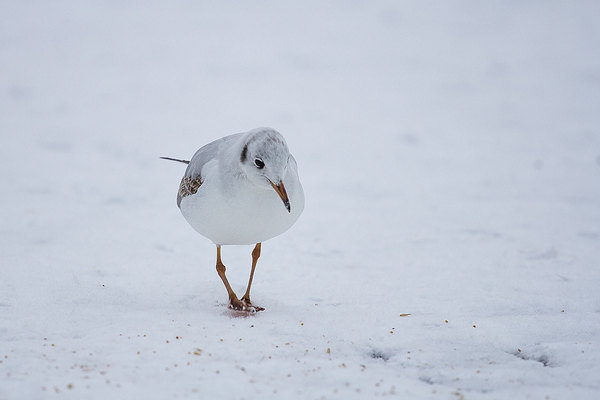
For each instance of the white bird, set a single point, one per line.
(238, 190)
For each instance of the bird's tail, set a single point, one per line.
(175, 159)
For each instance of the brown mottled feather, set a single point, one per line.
(188, 187)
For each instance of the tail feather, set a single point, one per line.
(175, 159)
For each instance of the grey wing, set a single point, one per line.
(192, 179)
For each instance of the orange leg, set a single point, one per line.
(234, 302)
(255, 256)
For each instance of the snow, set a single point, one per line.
(450, 156)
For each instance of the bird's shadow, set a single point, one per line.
(231, 313)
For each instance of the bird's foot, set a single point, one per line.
(252, 306)
(243, 305)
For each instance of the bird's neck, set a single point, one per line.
(230, 164)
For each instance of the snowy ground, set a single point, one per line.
(450, 155)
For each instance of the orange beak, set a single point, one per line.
(280, 189)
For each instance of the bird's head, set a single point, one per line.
(264, 159)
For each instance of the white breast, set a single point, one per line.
(244, 214)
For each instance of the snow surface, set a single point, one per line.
(450, 155)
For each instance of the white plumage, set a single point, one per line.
(242, 189)
(233, 205)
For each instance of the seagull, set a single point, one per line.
(241, 189)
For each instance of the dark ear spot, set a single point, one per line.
(244, 154)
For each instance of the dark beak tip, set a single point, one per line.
(280, 189)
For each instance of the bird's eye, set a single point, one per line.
(259, 163)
